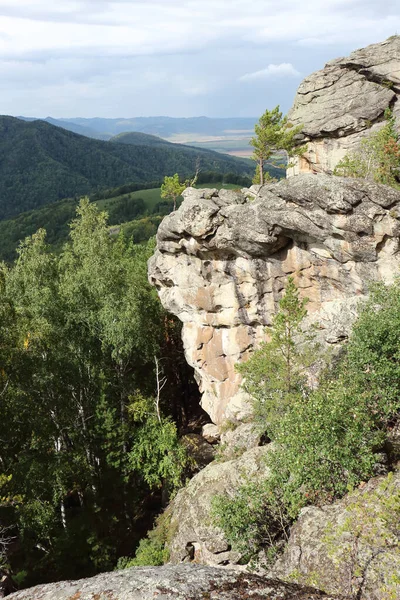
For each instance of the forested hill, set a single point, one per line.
(41, 163)
(162, 126)
(137, 138)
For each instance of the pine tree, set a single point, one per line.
(275, 374)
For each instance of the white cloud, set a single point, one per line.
(281, 70)
(172, 56)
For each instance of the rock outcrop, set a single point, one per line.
(193, 536)
(223, 259)
(184, 582)
(351, 546)
(345, 101)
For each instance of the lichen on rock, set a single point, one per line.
(344, 102)
(183, 582)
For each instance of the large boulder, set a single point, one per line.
(184, 582)
(223, 259)
(350, 547)
(344, 102)
(193, 537)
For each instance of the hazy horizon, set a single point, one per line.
(178, 58)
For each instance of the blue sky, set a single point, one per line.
(109, 58)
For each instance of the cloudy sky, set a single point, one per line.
(125, 58)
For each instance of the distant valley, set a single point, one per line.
(41, 163)
(226, 135)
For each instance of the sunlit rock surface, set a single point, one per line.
(223, 259)
(183, 582)
(344, 102)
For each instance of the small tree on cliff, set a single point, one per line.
(276, 373)
(172, 188)
(377, 157)
(273, 133)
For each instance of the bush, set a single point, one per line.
(153, 549)
(326, 439)
(377, 158)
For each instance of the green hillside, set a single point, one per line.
(136, 138)
(137, 212)
(41, 163)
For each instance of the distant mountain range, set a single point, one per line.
(41, 163)
(165, 127)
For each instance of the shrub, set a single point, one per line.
(325, 439)
(377, 158)
(153, 549)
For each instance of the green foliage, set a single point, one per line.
(273, 133)
(325, 439)
(377, 158)
(325, 444)
(172, 188)
(254, 518)
(153, 549)
(156, 451)
(275, 375)
(78, 336)
(41, 164)
(142, 230)
(373, 359)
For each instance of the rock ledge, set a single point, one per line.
(184, 582)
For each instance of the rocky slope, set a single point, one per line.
(193, 536)
(343, 102)
(351, 546)
(223, 259)
(185, 582)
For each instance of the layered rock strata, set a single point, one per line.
(223, 259)
(344, 102)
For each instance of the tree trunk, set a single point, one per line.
(261, 168)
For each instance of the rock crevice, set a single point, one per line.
(223, 259)
(345, 102)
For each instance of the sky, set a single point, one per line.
(178, 58)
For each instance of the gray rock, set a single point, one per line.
(199, 450)
(337, 556)
(211, 433)
(235, 442)
(193, 536)
(184, 582)
(344, 102)
(221, 267)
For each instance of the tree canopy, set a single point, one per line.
(83, 445)
(273, 133)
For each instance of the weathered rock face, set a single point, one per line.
(223, 259)
(183, 582)
(193, 536)
(363, 557)
(345, 101)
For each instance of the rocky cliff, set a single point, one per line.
(223, 259)
(345, 101)
(350, 546)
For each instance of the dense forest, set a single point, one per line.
(89, 449)
(138, 209)
(40, 164)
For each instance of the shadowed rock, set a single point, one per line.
(223, 259)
